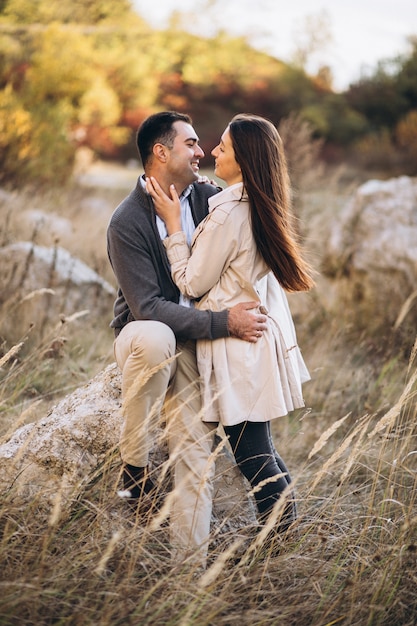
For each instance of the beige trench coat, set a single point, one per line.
(241, 380)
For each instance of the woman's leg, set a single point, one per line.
(254, 452)
(283, 469)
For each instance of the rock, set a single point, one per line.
(6, 197)
(41, 284)
(372, 249)
(69, 442)
(105, 175)
(45, 228)
(61, 453)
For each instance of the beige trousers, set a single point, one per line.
(156, 371)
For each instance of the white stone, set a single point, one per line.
(41, 284)
(372, 244)
(61, 452)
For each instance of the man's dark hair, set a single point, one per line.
(158, 128)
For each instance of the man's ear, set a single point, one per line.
(160, 152)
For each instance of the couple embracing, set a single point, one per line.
(202, 274)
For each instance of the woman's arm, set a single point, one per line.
(210, 255)
(217, 240)
(167, 208)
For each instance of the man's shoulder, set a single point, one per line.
(132, 206)
(204, 190)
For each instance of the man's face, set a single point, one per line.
(184, 157)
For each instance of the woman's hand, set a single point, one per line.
(205, 179)
(167, 208)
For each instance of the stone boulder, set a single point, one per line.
(63, 452)
(45, 228)
(372, 251)
(41, 284)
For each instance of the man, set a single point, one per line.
(156, 330)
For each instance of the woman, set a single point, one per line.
(246, 250)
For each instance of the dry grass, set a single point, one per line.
(73, 348)
(350, 559)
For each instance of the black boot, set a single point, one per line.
(287, 518)
(143, 492)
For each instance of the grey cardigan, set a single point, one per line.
(146, 290)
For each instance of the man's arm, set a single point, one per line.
(138, 261)
(146, 286)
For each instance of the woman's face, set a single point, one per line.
(225, 165)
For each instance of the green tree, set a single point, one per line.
(389, 93)
(334, 120)
(407, 75)
(87, 72)
(406, 141)
(378, 99)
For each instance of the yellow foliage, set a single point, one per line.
(119, 135)
(33, 144)
(46, 11)
(61, 66)
(99, 104)
(135, 81)
(22, 10)
(15, 132)
(202, 61)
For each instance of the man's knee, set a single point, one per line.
(148, 341)
(155, 346)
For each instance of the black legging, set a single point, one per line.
(258, 460)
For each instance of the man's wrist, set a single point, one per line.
(227, 323)
(220, 324)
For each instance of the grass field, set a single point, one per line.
(351, 558)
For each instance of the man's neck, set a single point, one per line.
(164, 183)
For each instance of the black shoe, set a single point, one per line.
(140, 493)
(284, 522)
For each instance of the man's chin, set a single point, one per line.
(194, 177)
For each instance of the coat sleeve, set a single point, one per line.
(216, 242)
(134, 265)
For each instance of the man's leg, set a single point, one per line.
(190, 445)
(142, 346)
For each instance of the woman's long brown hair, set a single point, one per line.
(260, 154)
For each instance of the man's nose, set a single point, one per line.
(199, 152)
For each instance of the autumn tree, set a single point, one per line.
(87, 72)
(60, 81)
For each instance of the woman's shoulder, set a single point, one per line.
(227, 202)
(233, 192)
